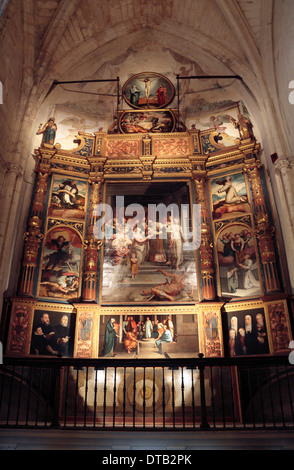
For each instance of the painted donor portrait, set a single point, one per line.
(60, 276)
(149, 254)
(148, 90)
(52, 334)
(247, 333)
(237, 260)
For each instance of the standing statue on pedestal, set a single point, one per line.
(244, 126)
(48, 131)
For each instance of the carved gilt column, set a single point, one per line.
(264, 230)
(34, 236)
(206, 255)
(92, 245)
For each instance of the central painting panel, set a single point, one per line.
(150, 244)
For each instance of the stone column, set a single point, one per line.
(10, 197)
(284, 170)
(264, 230)
(206, 256)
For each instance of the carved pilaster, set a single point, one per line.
(206, 256)
(40, 195)
(264, 230)
(92, 245)
(32, 243)
(147, 167)
(147, 145)
(33, 237)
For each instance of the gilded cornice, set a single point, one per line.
(143, 156)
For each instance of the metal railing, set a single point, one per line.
(165, 394)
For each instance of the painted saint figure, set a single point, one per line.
(161, 95)
(134, 95)
(244, 126)
(48, 131)
(231, 193)
(61, 337)
(110, 339)
(148, 328)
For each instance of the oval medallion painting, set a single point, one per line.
(148, 90)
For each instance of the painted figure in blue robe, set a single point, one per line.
(48, 131)
(110, 339)
(166, 337)
(134, 95)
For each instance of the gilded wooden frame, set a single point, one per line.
(21, 327)
(104, 302)
(155, 80)
(261, 346)
(154, 121)
(279, 325)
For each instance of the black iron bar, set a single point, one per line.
(251, 395)
(144, 396)
(73, 82)
(183, 396)
(193, 397)
(3, 374)
(76, 396)
(95, 397)
(280, 395)
(207, 77)
(66, 395)
(134, 399)
(232, 396)
(86, 397)
(29, 395)
(204, 423)
(153, 396)
(19, 396)
(124, 398)
(104, 398)
(260, 397)
(163, 398)
(49, 399)
(222, 395)
(10, 395)
(173, 397)
(271, 397)
(212, 396)
(290, 396)
(39, 395)
(56, 388)
(114, 397)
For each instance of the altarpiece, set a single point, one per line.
(163, 297)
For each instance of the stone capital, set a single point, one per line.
(283, 165)
(15, 168)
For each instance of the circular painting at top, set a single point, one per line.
(148, 90)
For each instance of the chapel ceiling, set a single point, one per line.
(88, 40)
